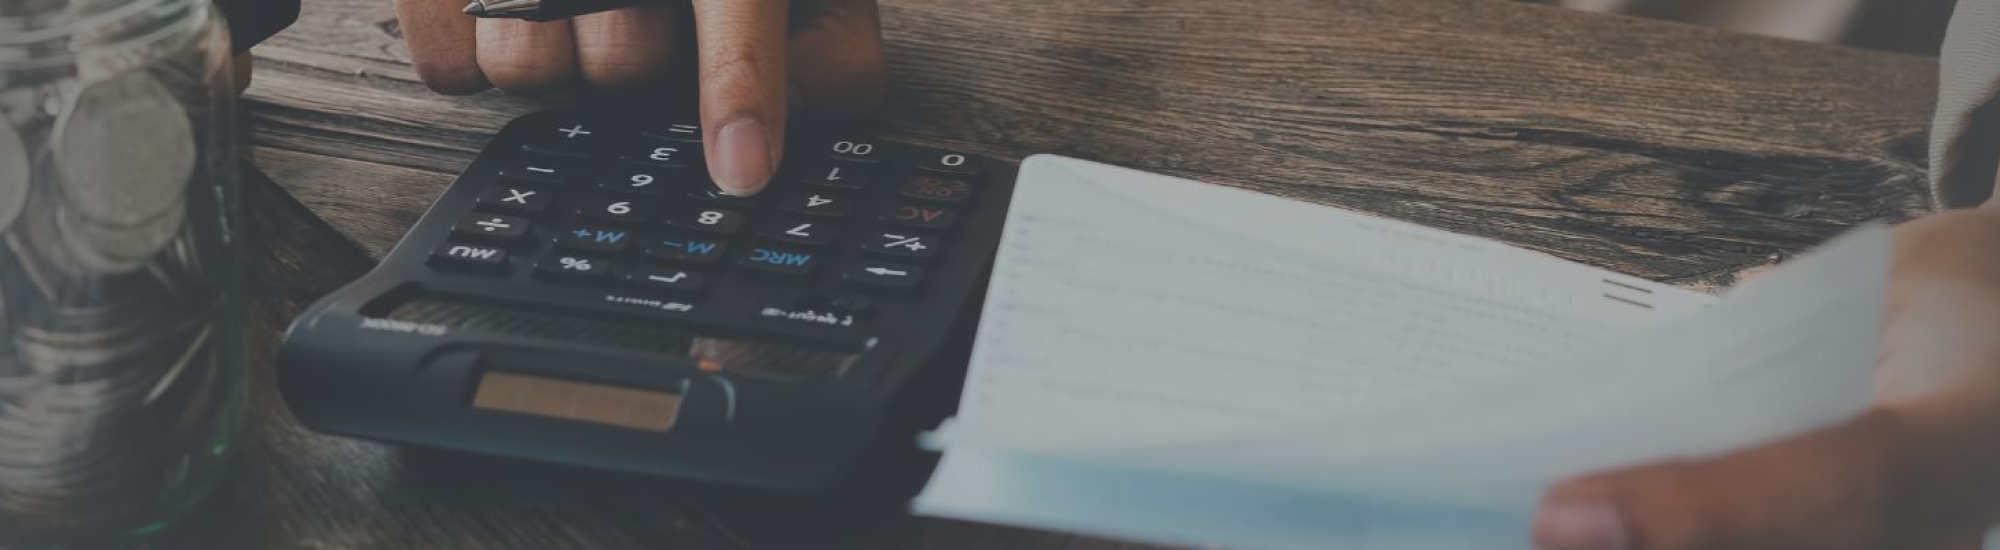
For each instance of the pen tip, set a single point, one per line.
(475, 8)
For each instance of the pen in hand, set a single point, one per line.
(543, 10)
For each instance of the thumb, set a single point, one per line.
(1882, 480)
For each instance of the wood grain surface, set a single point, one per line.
(1665, 151)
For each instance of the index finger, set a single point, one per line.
(741, 47)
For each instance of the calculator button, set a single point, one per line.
(711, 193)
(883, 275)
(665, 279)
(563, 137)
(486, 258)
(915, 216)
(638, 180)
(490, 227)
(713, 220)
(539, 172)
(935, 188)
(675, 249)
(948, 162)
(856, 150)
(664, 154)
(590, 238)
(840, 175)
(900, 244)
(778, 261)
(817, 203)
(797, 231)
(674, 280)
(615, 209)
(515, 199)
(685, 132)
(578, 268)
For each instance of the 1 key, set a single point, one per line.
(840, 175)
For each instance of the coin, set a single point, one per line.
(13, 175)
(125, 150)
(115, 249)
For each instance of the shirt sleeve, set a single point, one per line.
(253, 21)
(1965, 136)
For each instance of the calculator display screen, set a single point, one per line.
(720, 354)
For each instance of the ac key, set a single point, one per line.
(936, 218)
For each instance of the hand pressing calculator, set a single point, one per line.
(583, 294)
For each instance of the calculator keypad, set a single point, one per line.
(633, 210)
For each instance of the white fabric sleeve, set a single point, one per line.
(1965, 136)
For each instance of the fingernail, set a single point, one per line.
(743, 156)
(1585, 525)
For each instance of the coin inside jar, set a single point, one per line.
(14, 175)
(125, 150)
(112, 249)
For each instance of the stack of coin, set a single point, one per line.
(113, 370)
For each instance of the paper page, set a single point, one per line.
(1128, 306)
(1147, 375)
(1793, 352)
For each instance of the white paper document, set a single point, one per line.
(1170, 361)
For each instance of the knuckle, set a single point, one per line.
(524, 77)
(452, 79)
(616, 74)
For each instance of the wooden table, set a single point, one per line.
(1665, 151)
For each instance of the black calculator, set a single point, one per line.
(583, 294)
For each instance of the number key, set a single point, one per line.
(817, 203)
(665, 154)
(841, 175)
(798, 231)
(857, 150)
(950, 163)
(616, 209)
(645, 181)
(712, 220)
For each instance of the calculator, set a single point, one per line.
(583, 294)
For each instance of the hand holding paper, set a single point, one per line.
(1170, 361)
(1915, 472)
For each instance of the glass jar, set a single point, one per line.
(121, 380)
